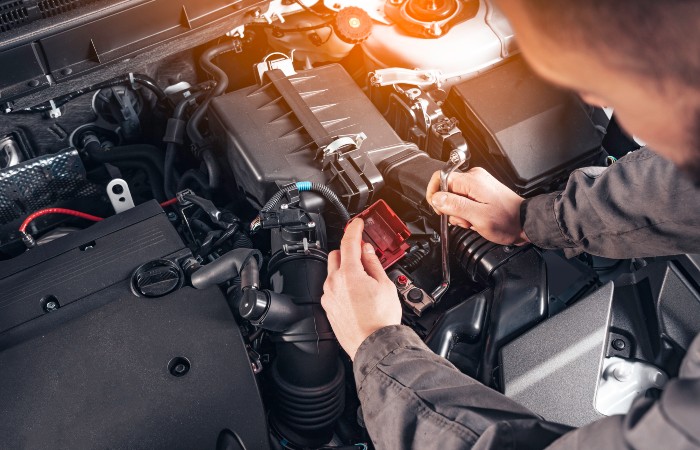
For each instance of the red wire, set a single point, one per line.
(72, 212)
(68, 212)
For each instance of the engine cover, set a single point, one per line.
(272, 134)
(108, 368)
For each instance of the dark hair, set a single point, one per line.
(660, 38)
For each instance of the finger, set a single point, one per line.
(457, 205)
(333, 261)
(433, 187)
(475, 183)
(459, 222)
(351, 245)
(371, 262)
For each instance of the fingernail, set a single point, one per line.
(439, 199)
(367, 248)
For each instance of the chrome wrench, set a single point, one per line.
(457, 158)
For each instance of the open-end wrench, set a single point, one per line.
(457, 158)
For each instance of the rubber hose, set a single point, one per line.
(155, 179)
(228, 267)
(131, 155)
(221, 78)
(170, 176)
(195, 176)
(213, 169)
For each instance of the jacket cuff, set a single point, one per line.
(540, 224)
(379, 345)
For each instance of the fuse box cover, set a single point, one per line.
(386, 232)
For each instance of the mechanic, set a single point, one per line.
(641, 57)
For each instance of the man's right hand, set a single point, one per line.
(479, 201)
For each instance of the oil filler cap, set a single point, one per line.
(156, 279)
(353, 25)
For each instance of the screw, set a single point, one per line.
(507, 249)
(172, 216)
(311, 224)
(619, 344)
(180, 368)
(51, 306)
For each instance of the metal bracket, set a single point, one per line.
(119, 195)
(622, 381)
(397, 75)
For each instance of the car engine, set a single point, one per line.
(173, 176)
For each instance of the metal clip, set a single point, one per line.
(353, 140)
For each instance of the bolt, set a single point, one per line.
(402, 280)
(311, 224)
(180, 368)
(172, 216)
(507, 249)
(622, 372)
(51, 306)
(619, 344)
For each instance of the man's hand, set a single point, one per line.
(358, 297)
(480, 202)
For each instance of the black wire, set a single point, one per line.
(141, 79)
(309, 9)
(275, 28)
(315, 187)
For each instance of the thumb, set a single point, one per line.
(371, 263)
(456, 205)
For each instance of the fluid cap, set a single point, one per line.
(156, 278)
(353, 25)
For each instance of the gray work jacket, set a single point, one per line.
(413, 399)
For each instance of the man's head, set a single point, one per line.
(641, 57)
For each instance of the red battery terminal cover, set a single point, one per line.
(386, 232)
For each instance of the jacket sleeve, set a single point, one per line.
(413, 399)
(640, 206)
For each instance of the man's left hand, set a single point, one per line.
(358, 296)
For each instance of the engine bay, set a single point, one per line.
(173, 176)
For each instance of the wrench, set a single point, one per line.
(457, 158)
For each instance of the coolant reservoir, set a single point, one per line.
(467, 48)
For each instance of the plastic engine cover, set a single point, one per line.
(526, 132)
(108, 369)
(272, 134)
